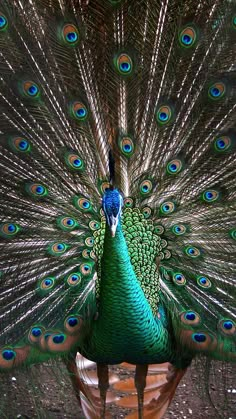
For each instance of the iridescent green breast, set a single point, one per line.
(145, 246)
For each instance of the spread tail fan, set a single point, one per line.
(117, 186)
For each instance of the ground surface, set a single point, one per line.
(54, 397)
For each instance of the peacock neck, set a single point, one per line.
(125, 329)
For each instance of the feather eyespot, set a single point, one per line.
(167, 254)
(190, 318)
(174, 167)
(73, 279)
(128, 202)
(192, 251)
(85, 269)
(94, 225)
(187, 37)
(203, 282)
(3, 23)
(147, 212)
(9, 230)
(234, 22)
(146, 187)
(210, 195)
(222, 143)
(199, 337)
(178, 229)
(59, 339)
(233, 233)
(36, 190)
(167, 208)
(164, 114)
(79, 111)
(35, 333)
(179, 279)
(126, 146)
(227, 326)
(86, 253)
(47, 284)
(82, 204)
(8, 354)
(70, 34)
(19, 144)
(89, 241)
(105, 186)
(74, 161)
(124, 64)
(216, 91)
(73, 323)
(31, 89)
(66, 223)
(57, 249)
(159, 229)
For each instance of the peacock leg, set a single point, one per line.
(103, 385)
(140, 384)
(78, 385)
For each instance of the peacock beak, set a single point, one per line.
(113, 222)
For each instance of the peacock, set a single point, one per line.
(117, 186)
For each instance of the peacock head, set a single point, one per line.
(112, 203)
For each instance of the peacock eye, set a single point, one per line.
(147, 212)
(74, 161)
(35, 333)
(178, 229)
(126, 146)
(89, 241)
(233, 233)
(66, 223)
(124, 64)
(58, 339)
(187, 37)
(57, 249)
(128, 202)
(210, 196)
(79, 111)
(192, 251)
(47, 283)
(73, 323)
(222, 143)
(31, 89)
(159, 229)
(3, 22)
(174, 167)
(216, 91)
(9, 230)
(36, 190)
(94, 225)
(199, 337)
(227, 326)
(73, 279)
(145, 187)
(167, 208)
(163, 114)
(85, 269)
(8, 354)
(82, 204)
(234, 22)
(179, 278)
(190, 318)
(86, 253)
(203, 282)
(105, 186)
(70, 34)
(19, 144)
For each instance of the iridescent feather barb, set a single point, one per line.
(117, 197)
